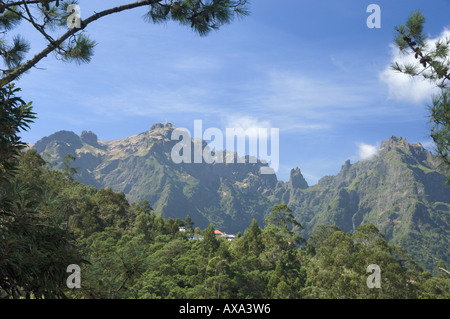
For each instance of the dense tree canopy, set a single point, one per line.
(15, 116)
(34, 249)
(48, 221)
(126, 251)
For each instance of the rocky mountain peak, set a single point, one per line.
(394, 142)
(296, 179)
(89, 137)
(162, 129)
(416, 151)
(62, 142)
(162, 126)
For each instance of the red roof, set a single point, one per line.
(218, 232)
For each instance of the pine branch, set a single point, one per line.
(16, 3)
(426, 61)
(37, 26)
(9, 19)
(202, 16)
(56, 43)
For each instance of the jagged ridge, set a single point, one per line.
(400, 189)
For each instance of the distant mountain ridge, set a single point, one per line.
(400, 189)
(141, 167)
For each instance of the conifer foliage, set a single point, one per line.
(54, 20)
(432, 63)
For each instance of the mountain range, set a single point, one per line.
(401, 189)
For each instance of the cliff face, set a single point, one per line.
(399, 189)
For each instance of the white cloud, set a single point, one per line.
(252, 127)
(403, 87)
(246, 122)
(249, 124)
(366, 151)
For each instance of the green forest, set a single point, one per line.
(125, 250)
(50, 221)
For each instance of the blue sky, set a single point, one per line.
(313, 69)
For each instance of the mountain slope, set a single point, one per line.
(399, 190)
(228, 195)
